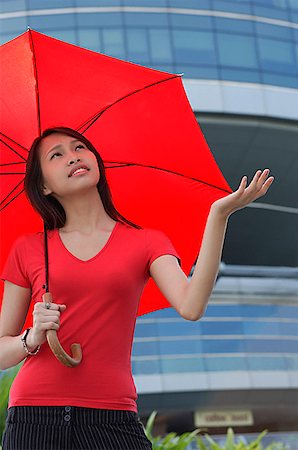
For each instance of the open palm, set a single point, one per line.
(245, 195)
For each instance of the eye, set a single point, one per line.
(58, 153)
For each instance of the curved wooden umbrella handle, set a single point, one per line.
(56, 347)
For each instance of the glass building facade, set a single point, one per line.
(248, 41)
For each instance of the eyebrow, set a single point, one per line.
(59, 145)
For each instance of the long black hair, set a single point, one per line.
(50, 209)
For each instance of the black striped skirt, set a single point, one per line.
(72, 428)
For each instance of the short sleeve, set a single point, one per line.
(15, 266)
(158, 243)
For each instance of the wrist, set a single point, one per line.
(31, 345)
(218, 212)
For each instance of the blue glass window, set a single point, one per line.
(98, 2)
(222, 328)
(37, 4)
(52, 21)
(164, 68)
(182, 328)
(277, 56)
(275, 13)
(209, 73)
(292, 362)
(145, 19)
(148, 329)
(289, 312)
(266, 363)
(237, 50)
(196, 47)
(17, 25)
(160, 45)
(183, 346)
(151, 3)
(234, 6)
(137, 45)
(232, 25)
(288, 328)
(265, 29)
(97, 20)
(259, 310)
(10, 6)
(90, 38)
(261, 327)
(222, 346)
(190, 21)
(113, 42)
(146, 367)
(227, 363)
(203, 4)
(271, 346)
(7, 37)
(249, 76)
(171, 365)
(280, 80)
(215, 310)
(64, 35)
(145, 348)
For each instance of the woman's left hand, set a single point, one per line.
(244, 195)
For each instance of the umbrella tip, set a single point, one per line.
(28, 28)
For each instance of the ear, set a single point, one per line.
(45, 190)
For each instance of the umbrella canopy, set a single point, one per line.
(159, 168)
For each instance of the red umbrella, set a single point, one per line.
(159, 167)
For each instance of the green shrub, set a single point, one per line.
(174, 442)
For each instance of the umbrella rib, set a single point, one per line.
(98, 114)
(36, 82)
(121, 164)
(13, 150)
(10, 201)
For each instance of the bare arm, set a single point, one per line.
(15, 304)
(202, 281)
(190, 298)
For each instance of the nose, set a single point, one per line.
(72, 161)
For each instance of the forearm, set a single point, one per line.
(204, 276)
(12, 351)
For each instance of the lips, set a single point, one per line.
(76, 168)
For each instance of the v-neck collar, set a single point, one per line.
(113, 232)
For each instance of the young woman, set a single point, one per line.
(99, 263)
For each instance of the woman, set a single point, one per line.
(99, 263)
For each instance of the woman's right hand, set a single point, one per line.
(43, 320)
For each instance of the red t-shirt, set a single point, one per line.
(102, 296)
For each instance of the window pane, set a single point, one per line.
(220, 364)
(210, 73)
(7, 37)
(64, 35)
(249, 76)
(277, 56)
(12, 5)
(181, 365)
(144, 3)
(242, 26)
(99, 19)
(190, 21)
(17, 25)
(145, 366)
(113, 42)
(203, 4)
(237, 50)
(191, 46)
(90, 39)
(265, 29)
(235, 6)
(145, 19)
(160, 46)
(98, 2)
(37, 4)
(280, 80)
(53, 21)
(137, 45)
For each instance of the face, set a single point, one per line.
(56, 164)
